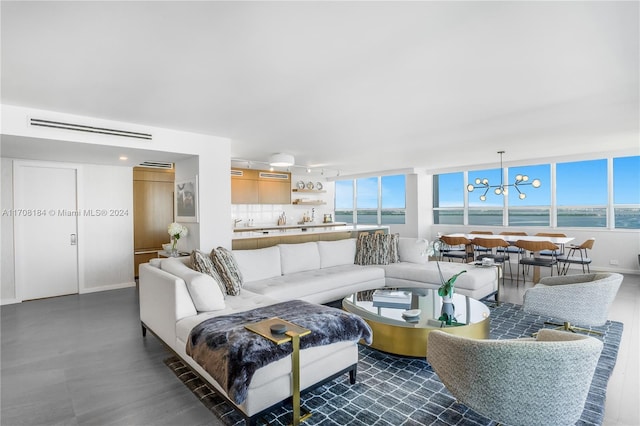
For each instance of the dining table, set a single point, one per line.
(511, 239)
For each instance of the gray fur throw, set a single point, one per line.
(231, 354)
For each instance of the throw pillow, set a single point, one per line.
(412, 250)
(228, 270)
(202, 263)
(203, 289)
(377, 249)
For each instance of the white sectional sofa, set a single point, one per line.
(174, 298)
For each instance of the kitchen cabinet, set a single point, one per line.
(152, 211)
(260, 187)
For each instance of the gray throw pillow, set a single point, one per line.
(202, 263)
(377, 249)
(228, 269)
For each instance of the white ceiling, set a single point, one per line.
(356, 86)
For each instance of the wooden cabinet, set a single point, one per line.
(152, 211)
(260, 187)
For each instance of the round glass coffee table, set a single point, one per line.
(391, 314)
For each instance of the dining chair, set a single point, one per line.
(478, 249)
(560, 252)
(512, 249)
(532, 259)
(456, 247)
(490, 244)
(578, 256)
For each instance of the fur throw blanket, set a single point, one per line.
(231, 354)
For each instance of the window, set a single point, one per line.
(367, 201)
(582, 197)
(394, 200)
(534, 207)
(581, 194)
(344, 201)
(448, 199)
(626, 192)
(378, 200)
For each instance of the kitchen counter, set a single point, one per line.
(244, 229)
(252, 239)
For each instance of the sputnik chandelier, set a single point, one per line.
(521, 180)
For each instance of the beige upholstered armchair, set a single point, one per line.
(582, 299)
(529, 381)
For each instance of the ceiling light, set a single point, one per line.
(281, 160)
(123, 158)
(502, 188)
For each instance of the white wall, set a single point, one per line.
(7, 284)
(211, 153)
(106, 241)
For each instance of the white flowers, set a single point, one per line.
(176, 230)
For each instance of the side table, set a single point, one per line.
(499, 269)
(293, 334)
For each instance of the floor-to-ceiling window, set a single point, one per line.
(601, 193)
(377, 200)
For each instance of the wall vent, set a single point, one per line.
(88, 129)
(237, 172)
(269, 175)
(156, 165)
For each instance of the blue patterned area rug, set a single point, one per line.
(393, 390)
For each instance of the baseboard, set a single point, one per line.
(9, 301)
(107, 287)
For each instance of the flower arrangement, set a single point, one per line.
(446, 288)
(176, 231)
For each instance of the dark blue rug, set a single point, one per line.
(393, 390)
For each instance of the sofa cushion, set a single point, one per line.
(258, 264)
(377, 249)
(303, 284)
(228, 270)
(412, 250)
(474, 278)
(336, 253)
(201, 262)
(299, 257)
(203, 289)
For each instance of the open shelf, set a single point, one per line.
(317, 191)
(309, 203)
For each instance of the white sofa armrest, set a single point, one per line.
(164, 299)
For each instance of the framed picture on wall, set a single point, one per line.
(186, 200)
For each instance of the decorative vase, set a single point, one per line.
(174, 247)
(448, 310)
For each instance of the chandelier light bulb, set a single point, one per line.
(519, 178)
(522, 196)
(536, 183)
(498, 191)
(478, 181)
(525, 178)
(470, 188)
(483, 198)
(485, 181)
(505, 191)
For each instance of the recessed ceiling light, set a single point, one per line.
(123, 158)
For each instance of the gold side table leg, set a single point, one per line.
(295, 371)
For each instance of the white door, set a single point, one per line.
(45, 220)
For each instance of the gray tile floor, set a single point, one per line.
(81, 360)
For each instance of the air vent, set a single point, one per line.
(267, 175)
(88, 129)
(156, 165)
(237, 172)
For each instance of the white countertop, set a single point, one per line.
(298, 230)
(289, 226)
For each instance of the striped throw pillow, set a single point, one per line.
(228, 269)
(202, 263)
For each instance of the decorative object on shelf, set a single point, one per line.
(310, 185)
(502, 188)
(319, 186)
(186, 200)
(301, 184)
(446, 289)
(328, 218)
(282, 219)
(176, 231)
